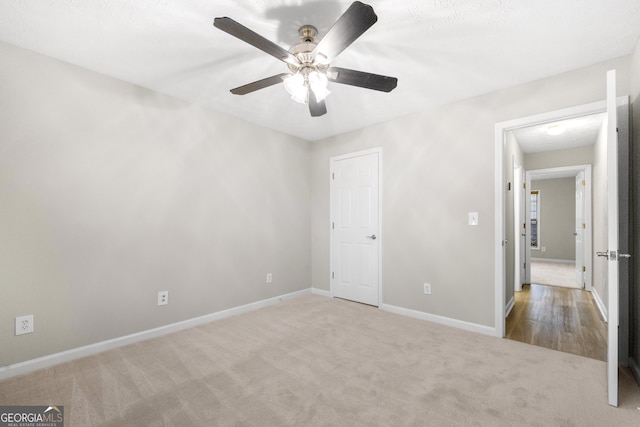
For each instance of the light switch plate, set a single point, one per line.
(473, 218)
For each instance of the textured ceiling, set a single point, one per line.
(441, 51)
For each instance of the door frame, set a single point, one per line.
(379, 234)
(501, 130)
(568, 171)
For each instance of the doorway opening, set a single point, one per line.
(509, 149)
(550, 307)
(559, 224)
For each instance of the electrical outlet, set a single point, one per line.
(24, 324)
(427, 288)
(163, 297)
(269, 278)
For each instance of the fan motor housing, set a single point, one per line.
(303, 51)
(308, 33)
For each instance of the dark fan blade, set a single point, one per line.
(360, 79)
(260, 84)
(351, 25)
(243, 33)
(316, 108)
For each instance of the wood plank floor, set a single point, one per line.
(560, 319)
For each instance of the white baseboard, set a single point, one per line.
(635, 368)
(321, 292)
(600, 304)
(76, 353)
(447, 321)
(510, 305)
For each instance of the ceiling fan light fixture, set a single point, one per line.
(296, 87)
(318, 83)
(309, 60)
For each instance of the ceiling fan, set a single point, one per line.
(309, 61)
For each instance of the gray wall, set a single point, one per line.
(559, 158)
(635, 200)
(110, 193)
(557, 219)
(437, 166)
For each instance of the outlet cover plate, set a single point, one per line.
(163, 297)
(427, 288)
(24, 324)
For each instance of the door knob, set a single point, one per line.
(372, 237)
(624, 255)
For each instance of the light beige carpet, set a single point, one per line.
(554, 274)
(316, 361)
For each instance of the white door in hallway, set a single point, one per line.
(520, 235)
(580, 228)
(355, 227)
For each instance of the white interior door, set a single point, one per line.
(355, 228)
(519, 226)
(612, 239)
(527, 226)
(580, 227)
(524, 266)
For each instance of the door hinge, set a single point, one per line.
(584, 268)
(332, 275)
(584, 226)
(584, 183)
(333, 226)
(524, 186)
(333, 175)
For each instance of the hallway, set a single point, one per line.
(560, 319)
